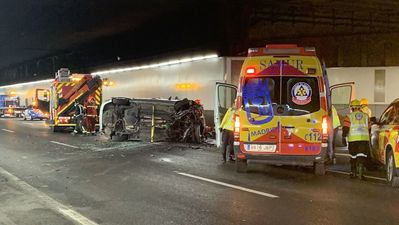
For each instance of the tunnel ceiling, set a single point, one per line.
(36, 37)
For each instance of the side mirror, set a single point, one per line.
(373, 120)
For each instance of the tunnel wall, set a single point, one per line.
(161, 82)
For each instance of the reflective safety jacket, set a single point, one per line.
(335, 118)
(228, 120)
(358, 124)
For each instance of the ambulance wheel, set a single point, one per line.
(319, 168)
(391, 171)
(120, 101)
(120, 137)
(241, 166)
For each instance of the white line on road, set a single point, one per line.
(59, 143)
(366, 176)
(228, 185)
(343, 154)
(67, 212)
(9, 131)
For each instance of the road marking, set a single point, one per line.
(343, 154)
(122, 147)
(228, 185)
(9, 131)
(59, 143)
(366, 176)
(67, 212)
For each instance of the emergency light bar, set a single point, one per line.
(282, 50)
(172, 62)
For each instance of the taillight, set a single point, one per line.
(64, 119)
(236, 128)
(324, 127)
(237, 124)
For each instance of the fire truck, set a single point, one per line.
(66, 89)
(10, 106)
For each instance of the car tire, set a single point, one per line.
(197, 134)
(391, 171)
(121, 101)
(241, 166)
(319, 168)
(121, 137)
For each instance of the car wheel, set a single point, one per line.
(391, 173)
(197, 134)
(319, 168)
(241, 166)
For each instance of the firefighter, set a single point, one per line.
(91, 116)
(364, 103)
(356, 128)
(79, 116)
(227, 127)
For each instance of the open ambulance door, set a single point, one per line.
(224, 99)
(340, 97)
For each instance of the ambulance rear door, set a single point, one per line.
(224, 99)
(340, 97)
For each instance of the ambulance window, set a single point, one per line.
(260, 93)
(302, 95)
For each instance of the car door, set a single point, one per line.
(224, 99)
(380, 133)
(340, 96)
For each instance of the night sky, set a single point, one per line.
(103, 29)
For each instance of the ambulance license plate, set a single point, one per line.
(261, 148)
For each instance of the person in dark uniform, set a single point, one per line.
(91, 116)
(79, 116)
(227, 127)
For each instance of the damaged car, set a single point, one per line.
(152, 119)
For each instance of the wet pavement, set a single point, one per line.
(57, 178)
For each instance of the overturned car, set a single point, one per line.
(152, 119)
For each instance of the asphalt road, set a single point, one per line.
(48, 178)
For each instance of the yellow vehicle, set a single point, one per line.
(385, 142)
(283, 107)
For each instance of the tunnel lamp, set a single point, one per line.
(108, 83)
(186, 86)
(168, 63)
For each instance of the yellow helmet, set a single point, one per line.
(364, 101)
(355, 103)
